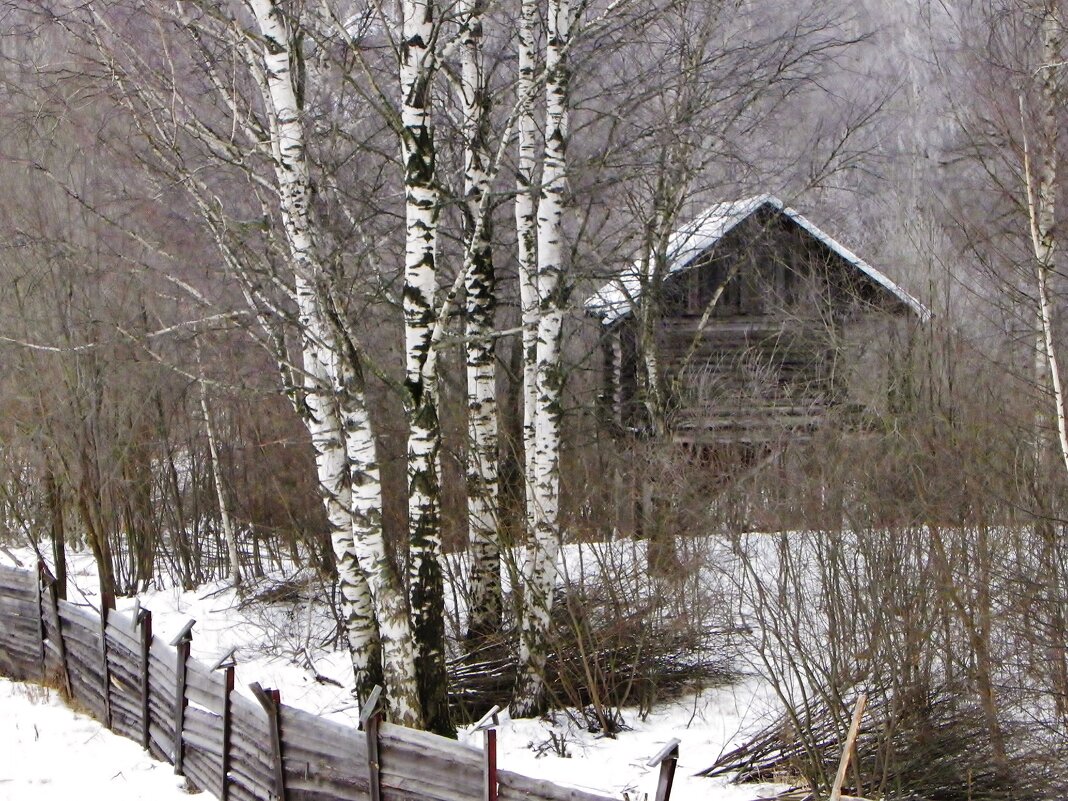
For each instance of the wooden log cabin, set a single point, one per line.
(759, 324)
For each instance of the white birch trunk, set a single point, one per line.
(527, 234)
(357, 599)
(420, 282)
(656, 408)
(1042, 213)
(384, 583)
(321, 361)
(540, 569)
(485, 609)
(227, 523)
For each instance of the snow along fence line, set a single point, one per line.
(190, 715)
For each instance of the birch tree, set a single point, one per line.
(422, 211)
(1041, 189)
(526, 223)
(225, 520)
(1006, 99)
(339, 430)
(540, 570)
(263, 101)
(484, 591)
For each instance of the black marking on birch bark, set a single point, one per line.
(428, 626)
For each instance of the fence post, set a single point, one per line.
(144, 623)
(488, 726)
(182, 642)
(271, 700)
(667, 759)
(40, 618)
(105, 671)
(226, 663)
(53, 603)
(370, 717)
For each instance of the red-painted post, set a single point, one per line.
(487, 724)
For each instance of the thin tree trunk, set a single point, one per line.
(382, 587)
(59, 530)
(647, 313)
(426, 586)
(89, 499)
(527, 238)
(485, 611)
(540, 570)
(322, 418)
(1041, 205)
(980, 648)
(229, 535)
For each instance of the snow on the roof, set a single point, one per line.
(617, 298)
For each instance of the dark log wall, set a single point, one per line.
(795, 332)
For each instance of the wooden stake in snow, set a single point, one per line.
(667, 759)
(847, 749)
(105, 671)
(370, 717)
(144, 623)
(226, 663)
(182, 642)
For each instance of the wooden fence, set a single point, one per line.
(237, 748)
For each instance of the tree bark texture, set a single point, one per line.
(527, 238)
(540, 569)
(484, 589)
(325, 390)
(422, 206)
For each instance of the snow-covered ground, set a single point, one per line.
(49, 752)
(278, 646)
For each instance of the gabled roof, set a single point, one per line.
(616, 299)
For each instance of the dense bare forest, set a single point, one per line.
(296, 287)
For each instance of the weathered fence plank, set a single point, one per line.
(204, 726)
(198, 773)
(15, 582)
(246, 775)
(311, 788)
(222, 741)
(240, 792)
(203, 688)
(251, 756)
(514, 787)
(123, 636)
